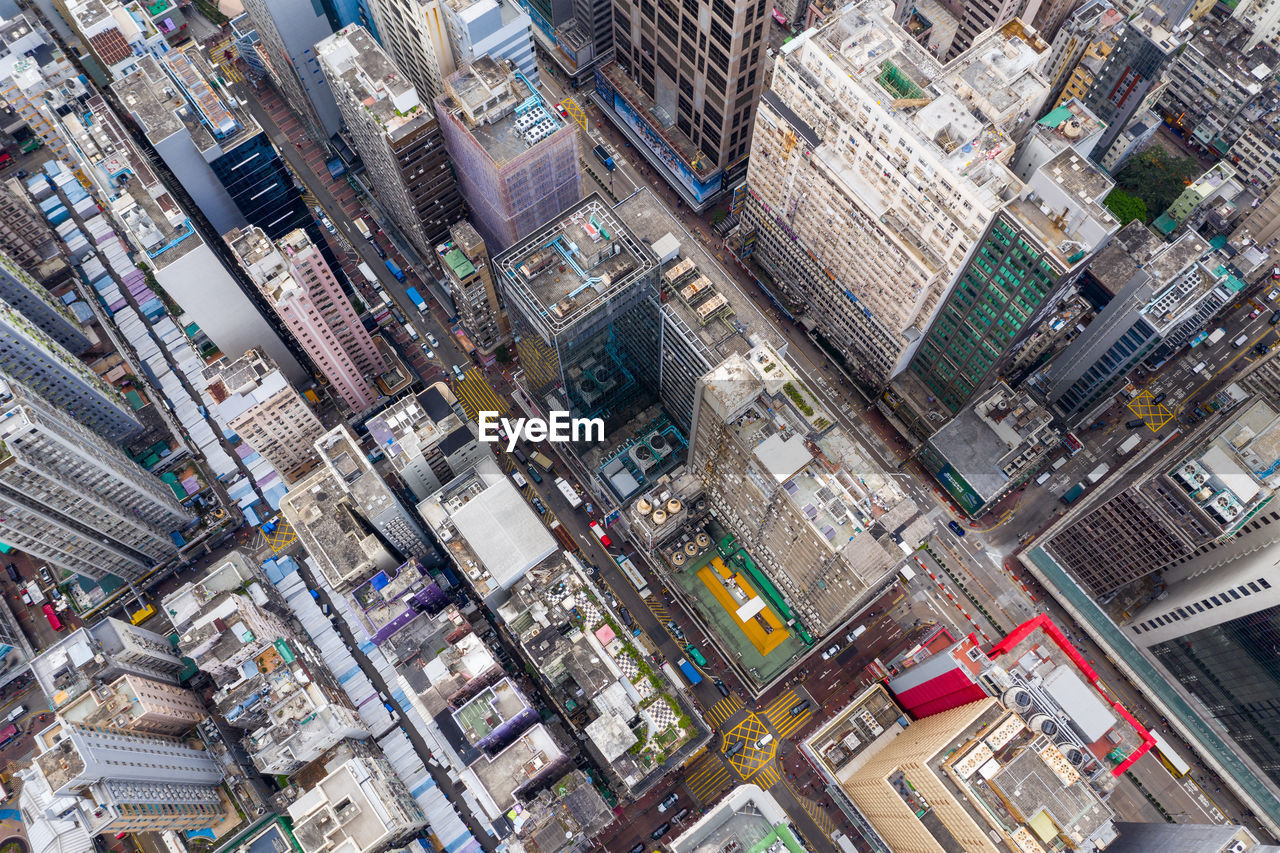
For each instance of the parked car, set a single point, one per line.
(539, 506)
(26, 598)
(12, 571)
(955, 527)
(1158, 399)
(670, 801)
(534, 475)
(680, 815)
(625, 615)
(831, 652)
(1271, 297)
(724, 691)
(675, 629)
(431, 339)
(662, 830)
(45, 575)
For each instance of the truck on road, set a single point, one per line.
(1129, 444)
(367, 272)
(1073, 494)
(363, 228)
(603, 156)
(1215, 336)
(395, 269)
(1098, 473)
(540, 459)
(412, 293)
(564, 537)
(690, 672)
(569, 492)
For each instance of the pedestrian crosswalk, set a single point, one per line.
(819, 815)
(476, 395)
(723, 711)
(780, 715)
(708, 776)
(767, 777)
(230, 72)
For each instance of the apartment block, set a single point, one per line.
(516, 158)
(1074, 37)
(115, 34)
(1262, 19)
(185, 267)
(500, 31)
(790, 497)
(1118, 91)
(427, 442)
(683, 87)
(913, 198)
(416, 38)
(1255, 152)
(1198, 503)
(298, 284)
(992, 446)
(111, 649)
(1212, 79)
(1150, 298)
(72, 498)
(36, 77)
(947, 30)
(19, 290)
(360, 806)
(590, 334)
(468, 274)
(133, 703)
(396, 135)
(221, 157)
(257, 402)
(128, 781)
(288, 31)
(346, 516)
(25, 237)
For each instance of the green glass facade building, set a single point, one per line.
(1001, 289)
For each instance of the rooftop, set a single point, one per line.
(574, 265)
(344, 811)
(500, 109)
(748, 819)
(415, 423)
(352, 56)
(529, 756)
(492, 534)
(489, 710)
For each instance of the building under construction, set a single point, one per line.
(515, 158)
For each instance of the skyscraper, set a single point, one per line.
(72, 498)
(683, 87)
(122, 782)
(396, 135)
(480, 28)
(256, 401)
(414, 34)
(19, 290)
(468, 273)
(582, 297)
(215, 149)
(1131, 69)
(301, 288)
(517, 160)
(866, 193)
(289, 31)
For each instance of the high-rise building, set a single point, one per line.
(1255, 151)
(360, 806)
(414, 34)
(1150, 298)
(683, 87)
(125, 781)
(516, 159)
(1119, 90)
(499, 30)
(289, 31)
(1212, 79)
(426, 441)
(1194, 506)
(113, 37)
(574, 34)
(1262, 19)
(949, 30)
(183, 264)
(211, 144)
(468, 274)
(1072, 39)
(137, 704)
(789, 500)
(863, 213)
(72, 498)
(301, 288)
(36, 78)
(1037, 241)
(396, 135)
(1184, 838)
(19, 290)
(582, 298)
(346, 516)
(257, 402)
(25, 236)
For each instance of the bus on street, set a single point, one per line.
(1170, 759)
(629, 569)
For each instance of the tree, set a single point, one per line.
(1126, 207)
(1157, 177)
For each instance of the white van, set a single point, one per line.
(1059, 462)
(1240, 341)
(16, 714)
(1043, 478)
(519, 478)
(764, 741)
(1199, 368)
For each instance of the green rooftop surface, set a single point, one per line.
(458, 262)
